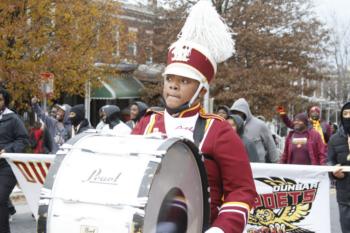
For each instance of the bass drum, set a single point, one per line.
(102, 183)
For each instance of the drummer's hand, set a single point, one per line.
(338, 173)
(214, 230)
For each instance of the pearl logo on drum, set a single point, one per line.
(88, 229)
(97, 177)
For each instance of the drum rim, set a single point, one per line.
(199, 158)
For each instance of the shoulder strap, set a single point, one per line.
(199, 131)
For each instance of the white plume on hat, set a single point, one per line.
(207, 28)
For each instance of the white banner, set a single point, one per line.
(30, 171)
(292, 198)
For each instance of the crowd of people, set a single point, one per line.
(229, 140)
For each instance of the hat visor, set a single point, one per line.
(186, 71)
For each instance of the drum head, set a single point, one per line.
(178, 199)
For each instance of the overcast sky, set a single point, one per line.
(327, 8)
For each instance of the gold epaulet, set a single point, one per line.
(211, 116)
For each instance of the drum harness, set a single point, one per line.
(198, 134)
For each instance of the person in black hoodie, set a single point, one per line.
(237, 124)
(78, 120)
(137, 110)
(111, 119)
(13, 138)
(339, 154)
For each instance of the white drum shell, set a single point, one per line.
(101, 184)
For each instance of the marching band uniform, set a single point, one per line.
(232, 190)
(204, 41)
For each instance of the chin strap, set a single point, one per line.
(186, 105)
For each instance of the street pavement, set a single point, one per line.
(23, 222)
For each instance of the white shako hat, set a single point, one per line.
(204, 41)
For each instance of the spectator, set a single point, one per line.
(111, 119)
(334, 127)
(53, 112)
(237, 124)
(13, 139)
(59, 127)
(78, 120)
(322, 127)
(100, 124)
(303, 145)
(137, 111)
(223, 111)
(256, 131)
(40, 139)
(339, 154)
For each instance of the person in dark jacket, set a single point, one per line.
(58, 127)
(137, 110)
(237, 124)
(13, 139)
(339, 154)
(223, 111)
(78, 120)
(303, 145)
(111, 118)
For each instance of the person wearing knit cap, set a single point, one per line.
(339, 155)
(322, 127)
(78, 120)
(111, 119)
(223, 111)
(204, 41)
(303, 145)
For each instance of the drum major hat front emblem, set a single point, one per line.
(181, 53)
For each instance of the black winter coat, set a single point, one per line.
(13, 135)
(338, 151)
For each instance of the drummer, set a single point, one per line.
(191, 65)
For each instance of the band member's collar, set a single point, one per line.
(190, 111)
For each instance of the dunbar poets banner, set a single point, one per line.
(30, 171)
(292, 198)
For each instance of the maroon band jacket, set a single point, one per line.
(232, 189)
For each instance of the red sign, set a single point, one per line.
(47, 84)
(46, 75)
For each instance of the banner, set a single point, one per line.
(292, 198)
(30, 171)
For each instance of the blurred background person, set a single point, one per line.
(257, 132)
(339, 154)
(59, 127)
(13, 139)
(112, 121)
(303, 145)
(237, 124)
(223, 111)
(40, 139)
(137, 110)
(314, 114)
(78, 120)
